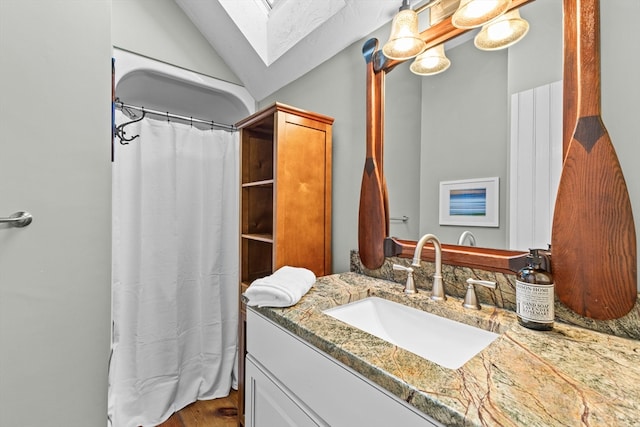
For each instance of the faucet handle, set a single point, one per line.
(470, 298)
(402, 268)
(410, 286)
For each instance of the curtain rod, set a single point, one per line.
(121, 105)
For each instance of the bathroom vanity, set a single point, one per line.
(335, 374)
(291, 383)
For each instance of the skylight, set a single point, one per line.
(272, 27)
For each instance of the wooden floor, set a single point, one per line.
(207, 413)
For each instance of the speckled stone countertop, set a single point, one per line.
(566, 377)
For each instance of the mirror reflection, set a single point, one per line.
(461, 123)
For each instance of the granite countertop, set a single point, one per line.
(566, 377)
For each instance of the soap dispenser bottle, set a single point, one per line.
(535, 294)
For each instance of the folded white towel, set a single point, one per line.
(283, 288)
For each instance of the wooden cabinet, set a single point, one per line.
(285, 198)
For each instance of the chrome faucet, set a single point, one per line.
(437, 292)
(467, 235)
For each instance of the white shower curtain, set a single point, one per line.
(175, 270)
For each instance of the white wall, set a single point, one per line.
(55, 285)
(159, 29)
(621, 91)
(403, 99)
(465, 115)
(536, 60)
(465, 135)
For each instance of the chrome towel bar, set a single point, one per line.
(403, 218)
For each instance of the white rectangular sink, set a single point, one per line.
(443, 341)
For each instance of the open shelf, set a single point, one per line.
(257, 210)
(259, 253)
(257, 156)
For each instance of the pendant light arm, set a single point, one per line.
(427, 5)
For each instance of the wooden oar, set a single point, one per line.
(594, 241)
(372, 216)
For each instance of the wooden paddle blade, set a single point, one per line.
(371, 217)
(594, 240)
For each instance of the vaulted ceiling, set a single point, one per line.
(267, 48)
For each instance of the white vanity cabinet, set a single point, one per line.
(288, 382)
(269, 403)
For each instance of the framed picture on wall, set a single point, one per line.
(470, 202)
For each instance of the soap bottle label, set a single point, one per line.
(535, 302)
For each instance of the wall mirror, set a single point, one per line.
(459, 122)
(406, 103)
(577, 288)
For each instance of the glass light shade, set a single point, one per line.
(503, 32)
(404, 41)
(430, 62)
(474, 13)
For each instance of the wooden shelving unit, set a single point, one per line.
(285, 199)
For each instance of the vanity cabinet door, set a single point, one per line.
(268, 404)
(331, 393)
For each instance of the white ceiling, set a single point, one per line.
(269, 49)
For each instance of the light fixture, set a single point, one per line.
(503, 32)
(430, 62)
(474, 13)
(404, 41)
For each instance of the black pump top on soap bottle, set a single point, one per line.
(533, 272)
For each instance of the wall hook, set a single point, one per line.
(122, 134)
